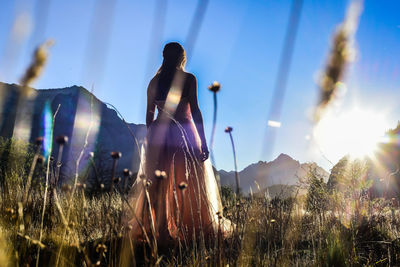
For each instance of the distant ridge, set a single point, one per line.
(283, 170)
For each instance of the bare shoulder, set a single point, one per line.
(153, 83)
(154, 79)
(190, 77)
(191, 81)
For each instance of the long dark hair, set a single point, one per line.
(174, 58)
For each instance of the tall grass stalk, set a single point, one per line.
(45, 190)
(214, 88)
(342, 53)
(229, 130)
(39, 142)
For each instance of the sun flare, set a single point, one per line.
(355, 132)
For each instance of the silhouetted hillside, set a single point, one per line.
(78, 110)
(282, 171)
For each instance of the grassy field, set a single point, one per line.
(67, 226)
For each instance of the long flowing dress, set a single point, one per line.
(185, 202)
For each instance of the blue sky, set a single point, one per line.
(239, 45)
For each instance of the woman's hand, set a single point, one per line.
(204, 153)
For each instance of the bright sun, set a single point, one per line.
(355, 132)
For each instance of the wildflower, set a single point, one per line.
(116, 155)
(41, 159)
(127, 172)
(10, 210)
(272, 221)
(62, 139)
(81, 186)
(160, 174)
(91, 154)
(100, 248)
(39, 141)
(148, 182)
(117, 180)
(215, 87)
(228, 129)
(182, 186)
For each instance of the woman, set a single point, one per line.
(175, 195)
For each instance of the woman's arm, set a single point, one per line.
(197, 117)
(151, 106)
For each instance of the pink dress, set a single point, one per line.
(172, 145)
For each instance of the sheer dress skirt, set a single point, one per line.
(184, 203)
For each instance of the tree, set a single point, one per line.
(317, 197)
(337, 174)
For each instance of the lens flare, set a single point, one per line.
(47, 129)
(86, 128)
(355, 132)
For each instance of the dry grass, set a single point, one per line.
(270, 232)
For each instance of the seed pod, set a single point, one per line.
(41, 159)
(100, 248)
(81, 186)
(228, 129)
(127, 172)
(116, 154)
(183, 186)
(62, 139)
(160, 174)
(214, 87)
(39, 141)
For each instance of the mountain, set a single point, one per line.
(284, 171)
(78, 111)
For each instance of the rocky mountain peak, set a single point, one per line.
(110, 133)
(284, 170)
(283, 157)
